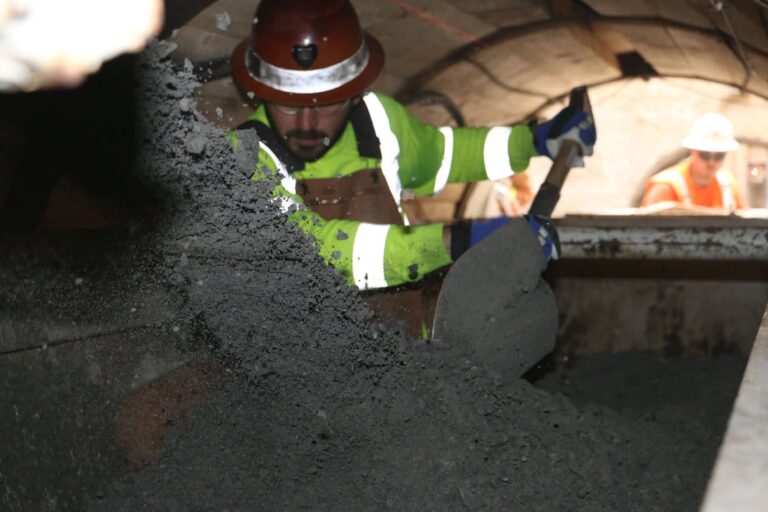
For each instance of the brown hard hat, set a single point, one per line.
(306, 52)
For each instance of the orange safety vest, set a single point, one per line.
(721, 192)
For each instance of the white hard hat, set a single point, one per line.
(711, 132)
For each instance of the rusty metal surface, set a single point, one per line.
(670, 238)
(740, 478)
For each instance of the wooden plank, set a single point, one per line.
(179, 12)
(550, 60)
(690, 12)
(421, 32)
(202, 39)
(740, 478)
(240, 14)
(505, 13)
(758, 82)
(746, 18)
(455, 20)
(480, 99)
(683, 52)
(708, 55)
(221, 103)
(197, 44)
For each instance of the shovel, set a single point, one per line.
(493, 302)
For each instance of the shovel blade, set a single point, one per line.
(494, 306)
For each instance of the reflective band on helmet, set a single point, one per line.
(496, 153)
(368, 255)
(310, 81)
(445, 166)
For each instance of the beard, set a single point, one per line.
(309, 145)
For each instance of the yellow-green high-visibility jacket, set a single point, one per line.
(415, 159)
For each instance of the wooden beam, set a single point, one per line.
(179, 12)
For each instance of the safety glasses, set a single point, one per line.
(705, 155)
(321, 110)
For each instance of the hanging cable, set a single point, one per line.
(719, 6)
(436, 98)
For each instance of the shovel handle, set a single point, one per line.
(549, 193)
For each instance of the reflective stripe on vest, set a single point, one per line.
(726, 190)
(390, 148)
(676, 179)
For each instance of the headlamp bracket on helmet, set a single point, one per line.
(305, 55)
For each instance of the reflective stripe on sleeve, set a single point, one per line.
(445, 166)
(496, 153)
(368, 256)
(390, 147)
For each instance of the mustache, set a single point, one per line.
(306, 134)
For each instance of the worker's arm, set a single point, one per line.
(430, 157)
(376, 255)
(381, 255)
(523, 189)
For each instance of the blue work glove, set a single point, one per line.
(546, 231)
(568, 124)
(542, 227)
(479, 229)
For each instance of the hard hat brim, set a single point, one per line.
(356, 86)
(716, 146)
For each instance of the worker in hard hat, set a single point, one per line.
(352, 156)
(700, 179)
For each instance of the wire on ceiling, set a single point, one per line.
(719, 6)
(436, 98)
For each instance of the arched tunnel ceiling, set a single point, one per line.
(502, 61)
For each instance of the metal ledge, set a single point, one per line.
(664, 238)
(739, 481)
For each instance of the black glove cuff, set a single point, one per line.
(460, 239)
